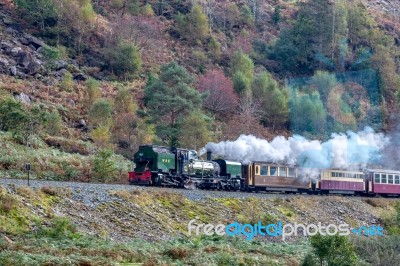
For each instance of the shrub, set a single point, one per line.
(53, 123)
(177, 253)
(66, 145)
(67, 83)
(378, 250)
(124, 60)
(148, 10)
(7, 203)
(103, 166)
(100, 113)
(333, 250)
(93, 91)
(14, 118)
(61, 228)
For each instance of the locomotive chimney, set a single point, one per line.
(208, 155)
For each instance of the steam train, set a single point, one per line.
(175, 167)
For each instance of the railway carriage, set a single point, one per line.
(341, 182)
(261, 176)
(383, 182)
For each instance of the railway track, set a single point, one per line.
(100, 189)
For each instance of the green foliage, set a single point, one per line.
(39, 12)
(378, 250)
(241, 84)
(14, 118)
(51, 53)
(93, 92)
(333, 250)
(247, 15)
(148, 10)
(53, 123)
(324, 83)
(124, 102)
(194, 26)
(100, 112)
(214, 47)
(194, 132)
(273, 100)
(307, 113)
(60, 229)
(86, 10)
(125, 59)
(276, 17)
(170, 98)
(241, 62)
(103, 166)
(67, 83)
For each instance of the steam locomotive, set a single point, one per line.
(175, 167)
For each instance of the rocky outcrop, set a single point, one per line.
(19, 51)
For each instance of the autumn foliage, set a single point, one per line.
(221, 98)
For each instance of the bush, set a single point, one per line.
(124, 60)
(61, 228)
(103, 166)
(93, 92)
(100, 113)
(7, 203)
(53, 123)
(66, 145)
(67, 83)
(14, 118)
(333, 250)
(378, 250)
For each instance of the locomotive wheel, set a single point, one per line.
(219, 186)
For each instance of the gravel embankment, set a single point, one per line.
(93, 194)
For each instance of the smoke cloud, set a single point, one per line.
(345, 151)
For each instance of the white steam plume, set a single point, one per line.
(341, 151)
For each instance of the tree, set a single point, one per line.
(307, 113)
(125, 59)
(246, 120)
(247, 16)
(333, 250)
(100, 113)
(125, 128)
(42, 12)
(194, 133)
(93, 92)
(103, 166)
(214, 47)
(170, 98)
(273, 100)
(241, 62)
(193, 26)
(221, 98)
(15, 119)
(324, 82)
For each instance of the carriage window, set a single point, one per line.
(282, 171)
(341, 175)
(377, 178)
(384, 179)
(292, 172)
(397, 179)
(272, 171)
(257, 170)
(264, 170)
(390, 179)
